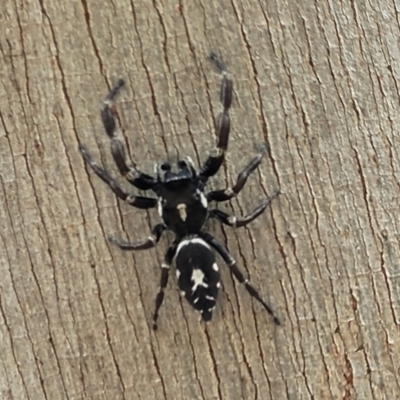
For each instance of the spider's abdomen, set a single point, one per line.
(197, 274)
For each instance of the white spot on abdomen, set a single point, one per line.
(198, 279)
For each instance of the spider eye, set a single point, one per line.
(165, 167)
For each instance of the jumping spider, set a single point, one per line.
(184, 208)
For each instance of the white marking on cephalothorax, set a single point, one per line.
(203, 199)
(182, 211)
(215, 267)
(198, 279)
(159, 207)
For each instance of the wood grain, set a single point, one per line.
(319, 81)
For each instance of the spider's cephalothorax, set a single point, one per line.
(181, 201)
(184, 208)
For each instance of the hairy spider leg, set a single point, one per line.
(165, 267)
(230, 261)
(232, 220)
(137, 178)
(228, 193)
(135, 201)
(223, 123)
(149, 243)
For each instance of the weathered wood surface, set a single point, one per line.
(318, 81)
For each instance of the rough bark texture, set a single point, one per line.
(319, 81)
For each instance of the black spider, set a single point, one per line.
(183, 206)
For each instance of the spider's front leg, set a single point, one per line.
(215, 160)
(137, 178)
(135, 201)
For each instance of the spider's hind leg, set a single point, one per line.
(130, 172)
(165, 267)
(215, 160)
(237, 273)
